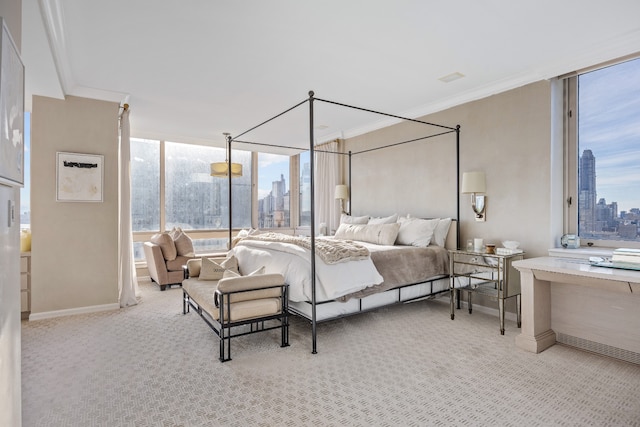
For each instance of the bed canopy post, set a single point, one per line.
(313, 226)
(458, 186)
(230, 195)
(350, 205)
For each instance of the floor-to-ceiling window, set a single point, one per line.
(273, 191)
(607, 149)
(172, 186)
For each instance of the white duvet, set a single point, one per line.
(294, 263)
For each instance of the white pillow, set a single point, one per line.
(441, 231)
(416, 232)
(211, 270)
(229, 273)
(379, 234)
(384, 220)
(257, 272)
(348, 219)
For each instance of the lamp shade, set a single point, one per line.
(221, 169)
(342, 192)
(473, 182)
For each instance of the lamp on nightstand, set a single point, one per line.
(474, 183)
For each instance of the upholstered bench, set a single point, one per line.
(237, 306)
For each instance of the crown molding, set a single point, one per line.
(52, 13)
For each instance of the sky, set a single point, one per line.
(609, 126)
(270, 167)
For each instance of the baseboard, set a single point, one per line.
(72, 311)
(599, 348)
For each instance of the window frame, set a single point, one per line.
(572, 154)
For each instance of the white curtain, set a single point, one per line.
(327, 176)
(127, 280)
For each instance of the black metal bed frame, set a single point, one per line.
(311, 99)
(399, 299)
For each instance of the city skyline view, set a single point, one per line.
(609, 126)
(270, 167)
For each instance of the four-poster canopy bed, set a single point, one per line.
(317, 298)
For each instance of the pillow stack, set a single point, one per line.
(173, 244)
(393, 229)
(211, 270)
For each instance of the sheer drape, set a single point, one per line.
(127, 281)
(327, 176)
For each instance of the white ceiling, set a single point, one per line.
(193, 70)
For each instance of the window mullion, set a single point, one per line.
(163, 215)
(570, 223)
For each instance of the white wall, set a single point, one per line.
(74, 245)
(10, 384)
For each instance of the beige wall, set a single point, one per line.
(74, 245)
(10, 343)
(514, 137)
(508, 136)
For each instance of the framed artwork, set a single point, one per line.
(79, 177)
(11, 110)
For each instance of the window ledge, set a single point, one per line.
(581, 253)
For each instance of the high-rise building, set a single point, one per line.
(587, 222)
(273, 209)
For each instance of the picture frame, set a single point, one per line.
(79, 177)
(11, 110)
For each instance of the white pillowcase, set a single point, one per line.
(348, 219)
(211, 270)
(379, 234)
(415, 231)
(384, 220)
(441, 231)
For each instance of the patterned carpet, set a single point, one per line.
(407, 365)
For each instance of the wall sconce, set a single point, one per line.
(342, 193)
(221, 169)
(474, 183)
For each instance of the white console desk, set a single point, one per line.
(538, 275)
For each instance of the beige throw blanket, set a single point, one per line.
(329, 251)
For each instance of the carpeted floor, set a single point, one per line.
(408, 365)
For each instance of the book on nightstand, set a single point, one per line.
(507, 251)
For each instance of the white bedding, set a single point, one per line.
(332, 280)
